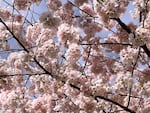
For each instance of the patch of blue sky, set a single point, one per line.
(36, 10)
(127, 17)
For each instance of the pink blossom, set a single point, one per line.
(54, 4)
(141, 37)
(68, 32)
(80, 2)
(88, 9)
(49, 20)
(90, 27)
(48, 50)
(33, 32)
(74, 57)
(65, 13)
(73, 53)
(127, 56)
(21, 4)
(5, 13)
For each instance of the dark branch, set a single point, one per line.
(11, 75)
(25, 49)
(106, 99)
(14, 35)
(123, 25)
(116, 103)
(146, 50)
(128, 30)
(109, 43)
(47, 72)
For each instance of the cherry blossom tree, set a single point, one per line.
(60, 61)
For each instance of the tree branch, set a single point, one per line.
(25, 49)
(106, 99)
(128, 30)
(14, 35)
(116, 103)
(72, 85)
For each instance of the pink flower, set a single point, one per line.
(68, 32)
(65, 13)
(128, 56)
(21, 4)
(80, 2)
(141, 36)
(49, 20)
(33, 32)
(88, 9)
(5, 14)
(48, 49)
(54, 4)
(73, 53)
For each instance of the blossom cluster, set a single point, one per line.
(49, 20)
(54, 4)
(128, 56)
(4, 13)
(69, 33)
(24, 4)
(72, 57)
(141, 36)
(110, 9)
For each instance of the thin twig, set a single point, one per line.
(109, 43)
(11, 75)
(130, 90)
